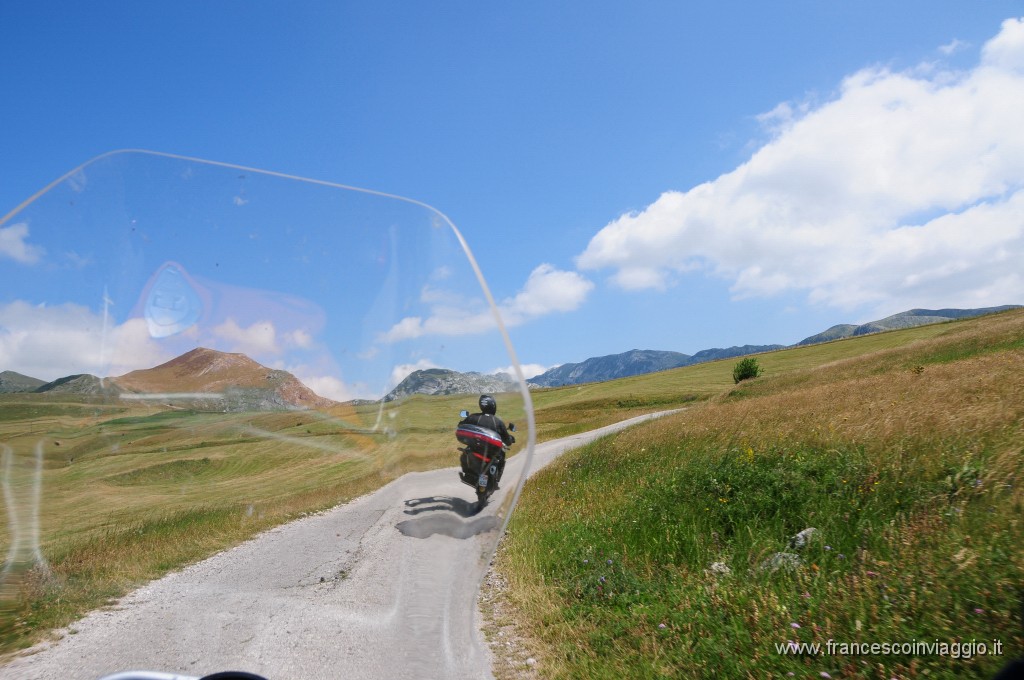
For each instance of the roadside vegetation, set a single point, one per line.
(746, 369)
(668, 550)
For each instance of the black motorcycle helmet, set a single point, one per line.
(488, 405)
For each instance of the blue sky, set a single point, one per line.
(659, 175)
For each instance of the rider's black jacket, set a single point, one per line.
(491, 423)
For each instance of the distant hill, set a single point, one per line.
(82, 383)
(202, 378)
(444, 381)
(234, 381)
(16, 382)
(908, 319)
(731, 352)
(838, 332)
(635, 362)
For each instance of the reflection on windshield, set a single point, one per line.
(197, 352)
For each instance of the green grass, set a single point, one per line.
(911, 478)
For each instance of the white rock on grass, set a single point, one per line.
(720, 569)
(803, 538)
(781, 560)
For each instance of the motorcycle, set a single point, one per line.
(483, 456)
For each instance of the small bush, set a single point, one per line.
(746, 368)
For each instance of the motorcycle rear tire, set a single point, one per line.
(481, 500)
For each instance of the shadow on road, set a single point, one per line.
(461, 507)
(447, 517)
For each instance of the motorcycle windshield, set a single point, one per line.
(227, 425)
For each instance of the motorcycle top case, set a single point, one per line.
(477, 438)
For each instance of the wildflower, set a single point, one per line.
(806, 596)
(872, 573)
(824, 674)
(979, 610)
(794, 625)
(828, 547)
(601, 579)
(841, 556)
(609, 562)
(586, 561)
(662, 626)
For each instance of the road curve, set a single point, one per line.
(382, 587)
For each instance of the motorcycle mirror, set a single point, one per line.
(511, 427)
(463, 413)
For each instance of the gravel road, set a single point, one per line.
(382, 587)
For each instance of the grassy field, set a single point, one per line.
(130, 491)
(648, 554)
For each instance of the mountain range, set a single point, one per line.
(636, 362)
(908, 319)
(205, 378)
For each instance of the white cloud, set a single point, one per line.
(547, 290)
(529, 370)
(299, 338)
(402, 371)
(56, 341)
(907, 189)
(954, 46)
(260, 338)
(14, 244)
(334, 388)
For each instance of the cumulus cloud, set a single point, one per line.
(15, 246)
(299, 338)
(402, 371)
(529, 370)
(52, 342)
(906, 189)
(260, 338)
(333, 387)
(953, 47)
(547, 290)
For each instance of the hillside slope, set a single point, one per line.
(648, 553)
(16, 382)
(234, 377)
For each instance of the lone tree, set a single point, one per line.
(746, 368)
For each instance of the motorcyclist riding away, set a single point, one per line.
(488, 418)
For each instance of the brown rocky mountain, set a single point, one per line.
(240, 380)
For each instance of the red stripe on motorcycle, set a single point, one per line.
(479, 436)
